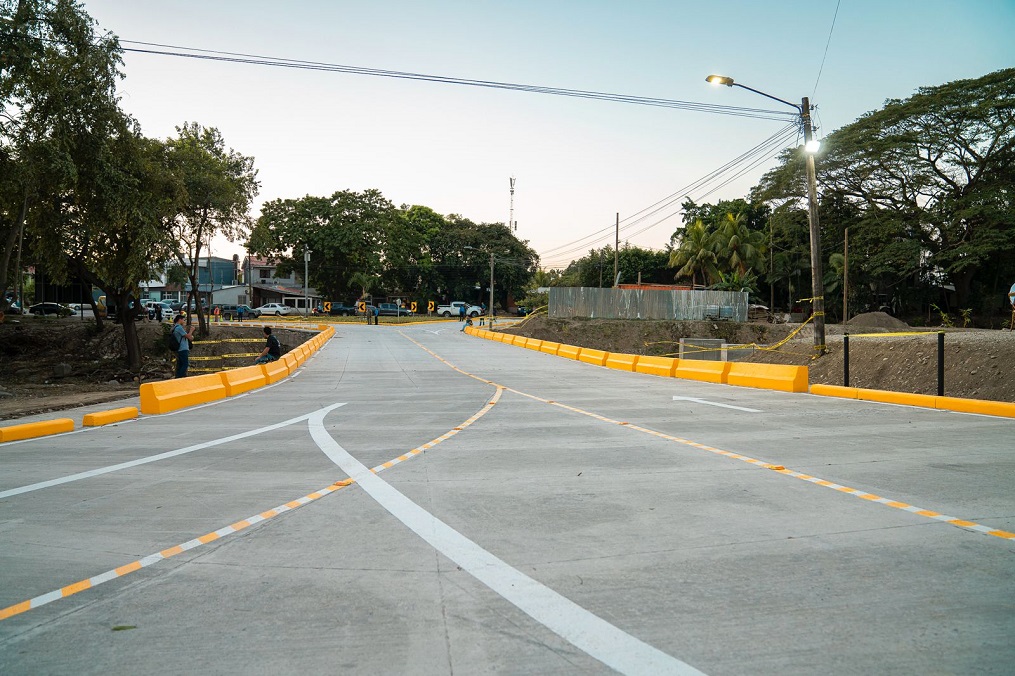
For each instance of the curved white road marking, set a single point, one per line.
(162, 456)
(586, 631)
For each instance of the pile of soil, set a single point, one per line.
(48, 364)
(977, 361)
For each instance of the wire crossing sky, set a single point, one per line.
(578, 157)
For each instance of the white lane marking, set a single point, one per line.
(161, 456)
(586, 631)
(715, 403)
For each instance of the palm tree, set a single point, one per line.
(738, 246)
(364, 281)
(695, 255)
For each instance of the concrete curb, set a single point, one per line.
(981, 406)
(36, 429)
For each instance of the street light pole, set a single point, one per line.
(489, 310)
(817, 281)
(306, 273)
(817, 274)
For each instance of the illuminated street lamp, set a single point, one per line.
(810, 146)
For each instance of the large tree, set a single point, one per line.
(219, 185)
(933, 177)
(346, 233)
(58, 76)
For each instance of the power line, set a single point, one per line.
(828, 42)
(753, 157)
(254, 59)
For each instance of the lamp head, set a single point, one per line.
(812, 146)
(720, 80)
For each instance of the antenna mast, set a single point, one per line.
(511, 214)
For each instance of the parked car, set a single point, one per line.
(342, 310)
(231, 312)
(276, 309)
(393, 310)
(14, 309)
(50, 309)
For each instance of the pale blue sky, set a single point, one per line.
(577, 162)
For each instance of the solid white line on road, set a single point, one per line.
(161, 456)
(586, 631)
(715, 403)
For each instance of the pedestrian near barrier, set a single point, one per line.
(182, 338)
(272, 348)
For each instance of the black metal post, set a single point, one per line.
(845, 360)
(940, 363)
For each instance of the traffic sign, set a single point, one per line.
(362, 307)
(413, 306)
(430, 306)
(327, 306)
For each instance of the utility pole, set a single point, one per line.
(845, 278)
(306, 272)
(616, 253)
(817, 283)
(511, 213)
(490, 309)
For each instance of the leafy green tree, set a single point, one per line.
(218, 186)
(932, 177)
(57, 97)
(695, 255)
(346, 233)
(739, 248)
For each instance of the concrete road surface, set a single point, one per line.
(525, 514)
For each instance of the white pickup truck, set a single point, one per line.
(454, 309)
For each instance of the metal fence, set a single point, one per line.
(593, 303)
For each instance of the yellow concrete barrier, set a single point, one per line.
(590, 356)
(549, 347)
(109, 417)
(290, 361)
(275, 371)
(36, 429)
(169, 395)
(905, 398)
(703, 370)
(520, 341)
(834, 391)
(621, 362)
(768, 376)
(657, 366)
(998, 408)
(569, 351)
(243, 379)
(534, 344)
(506, 337)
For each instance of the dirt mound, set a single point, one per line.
(876, 320)
(977, 362)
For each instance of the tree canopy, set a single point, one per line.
(406, 251)
(926, 186)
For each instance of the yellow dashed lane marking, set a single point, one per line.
(961, 523)
(69, 590)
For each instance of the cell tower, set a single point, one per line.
(512, 224)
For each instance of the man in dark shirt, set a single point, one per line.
(272, 348)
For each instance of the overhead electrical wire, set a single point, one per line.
(666, 201)
(750, 160)
(254, 59)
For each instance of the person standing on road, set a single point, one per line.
(461, 313)
(272, 349)
(183, 351)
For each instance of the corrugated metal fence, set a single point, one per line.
(573, 301)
